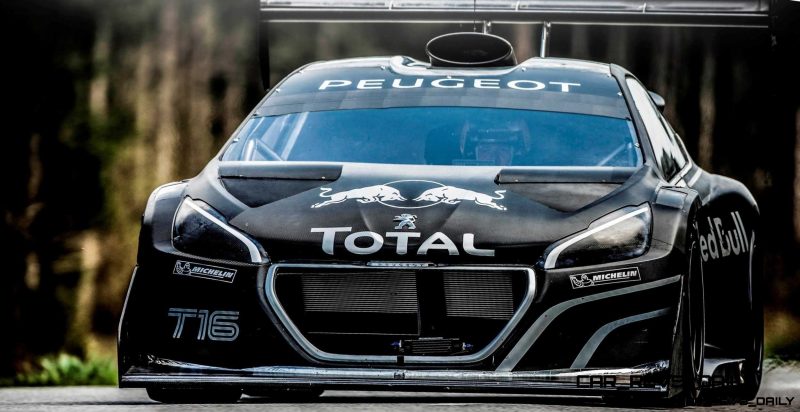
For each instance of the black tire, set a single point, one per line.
(194, 395)
(686, 366)
(286, 394)
(754, 339)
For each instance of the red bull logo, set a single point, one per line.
(452, 195)
(377, 193)
(423, 193)
(724, 238)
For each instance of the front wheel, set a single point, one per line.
(754, 337)
(686, 366)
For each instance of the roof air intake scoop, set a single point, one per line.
(470, 50)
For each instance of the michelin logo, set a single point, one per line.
(602, 278)
(197, 270)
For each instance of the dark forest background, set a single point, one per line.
(106, 99)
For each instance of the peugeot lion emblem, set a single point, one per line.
(405, 221)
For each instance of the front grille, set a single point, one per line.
(360, 292)
(385, 311)
(479, 295)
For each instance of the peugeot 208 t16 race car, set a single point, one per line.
(390, 223)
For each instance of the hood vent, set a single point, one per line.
(470, 49)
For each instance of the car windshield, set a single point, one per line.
(460, 136)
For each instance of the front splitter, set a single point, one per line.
(646, 379)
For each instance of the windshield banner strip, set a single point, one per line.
(506, 99)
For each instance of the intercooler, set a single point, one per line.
(376, 311)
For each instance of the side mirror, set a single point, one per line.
(658, 100)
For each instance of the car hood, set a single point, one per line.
(367, 212)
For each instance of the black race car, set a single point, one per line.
(466, 224)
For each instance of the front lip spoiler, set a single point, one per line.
(166, 373)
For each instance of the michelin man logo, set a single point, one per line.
(183, 268)
(581, 282)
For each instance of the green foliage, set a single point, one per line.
(68, 370)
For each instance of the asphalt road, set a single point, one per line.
(779, 382)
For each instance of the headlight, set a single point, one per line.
(200, 230)
(620, 235)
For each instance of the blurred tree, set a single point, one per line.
(110, 99)
(45, 130)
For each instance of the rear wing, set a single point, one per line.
(673, 13)
(714, 13)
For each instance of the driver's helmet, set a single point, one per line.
(494, 143)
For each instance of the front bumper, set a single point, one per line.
(594, 340)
